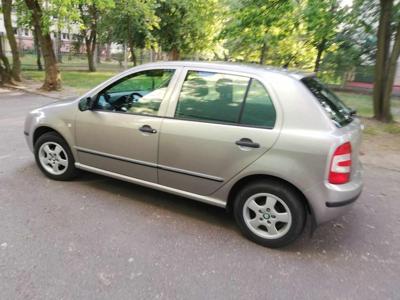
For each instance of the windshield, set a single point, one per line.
(337, 110)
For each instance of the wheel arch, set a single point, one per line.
(42, 130)
(263, 177)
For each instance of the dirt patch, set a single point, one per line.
(381, 144)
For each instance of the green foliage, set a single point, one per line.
(322, 19)
(61, 12)
(129, 21)
(186, 25)
(252, 24)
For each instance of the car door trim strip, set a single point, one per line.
(116, 157)
(148, 164)
(205, 199)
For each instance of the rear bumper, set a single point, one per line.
(328, 201)
(342, 203)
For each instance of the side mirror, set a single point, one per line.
(86, 104)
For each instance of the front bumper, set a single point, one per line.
(28, 140)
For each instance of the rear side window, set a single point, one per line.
(258, 108)
(211, 96)
(222, 98)
(337, 110)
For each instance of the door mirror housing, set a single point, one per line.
(86, 103)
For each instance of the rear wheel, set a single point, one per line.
(270, 213)
(54, 157)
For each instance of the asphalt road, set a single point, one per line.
(99, 238)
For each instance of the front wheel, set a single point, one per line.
(270, 213)
(54, 157)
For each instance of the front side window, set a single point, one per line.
(208, 96)
(216, 97)
(139, 93)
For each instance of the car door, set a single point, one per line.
(221, 123)
(120, 134)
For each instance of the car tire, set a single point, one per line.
(54, 157)
(270, 213)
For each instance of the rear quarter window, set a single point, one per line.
(258, 109)
(340, 114)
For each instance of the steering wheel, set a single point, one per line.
(138, 95)
(125, 102)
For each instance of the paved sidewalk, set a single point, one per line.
(33, 87)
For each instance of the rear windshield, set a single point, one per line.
(340, 114)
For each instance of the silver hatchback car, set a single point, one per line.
(272, 146)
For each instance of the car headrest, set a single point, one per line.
(224, 87)
(198, 86)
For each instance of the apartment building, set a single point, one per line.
(25, 37)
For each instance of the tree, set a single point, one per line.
(5, 69)
(131, 22)
(186, 26)
(249, 29)
(90, 13)
(16, 62)
(354, 49)
(387, 56)
(40, 20)
(322, 19)
(37, 49)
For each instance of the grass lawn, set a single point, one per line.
(84, 81)
(28, 62)
(363, 104)
(81, 80)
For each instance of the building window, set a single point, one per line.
(64, 36)
(15, 30)
(26, 32)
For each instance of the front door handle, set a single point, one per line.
(148, 129)
(245, 142)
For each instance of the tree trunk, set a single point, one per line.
(59, 44)
(90, 51)
(263, 52)
(5, 69)
(90, 43)
(391, 73)
(16, 62)
(141, 56)
(90, 34)
(98, 53)
(52, 80)
(175, 55)
(108, 52)
(320, 50)
(91, 64)
(382, 60)
(132, 51)
(37, 49)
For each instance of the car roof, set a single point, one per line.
(232, 66)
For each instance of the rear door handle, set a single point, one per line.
(245, 142)
(148, 129)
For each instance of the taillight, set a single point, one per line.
(340, 169)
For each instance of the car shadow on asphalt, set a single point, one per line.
(162, 200)
(327, 237)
